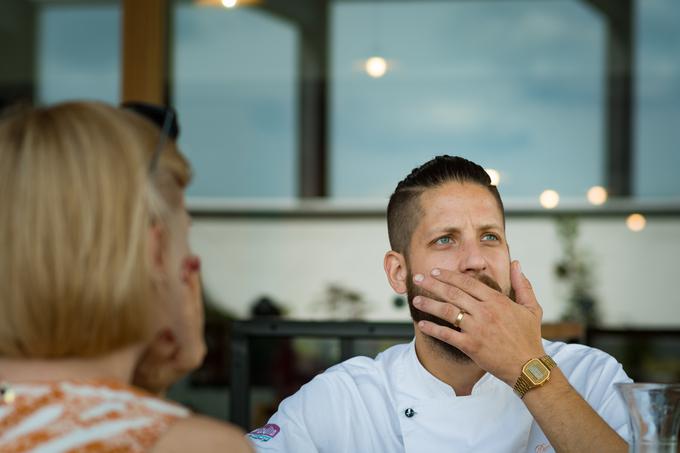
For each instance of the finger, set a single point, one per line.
(445, 292)
(522, 286)
(466, 283)
(445, 334)
(443, 310)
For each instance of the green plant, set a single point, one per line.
(575, 270)
(341, 302)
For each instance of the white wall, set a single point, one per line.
(293, 261)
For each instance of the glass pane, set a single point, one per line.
(234, 85)
(78, 52)
(515, 84)
(658, 99)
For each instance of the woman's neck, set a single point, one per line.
(118, 365)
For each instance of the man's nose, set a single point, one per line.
(472, 260)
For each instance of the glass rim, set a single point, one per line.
(647, 385)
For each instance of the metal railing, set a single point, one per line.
(348, 332)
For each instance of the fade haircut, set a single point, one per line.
(404, 210)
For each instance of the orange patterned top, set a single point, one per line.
(82, 416)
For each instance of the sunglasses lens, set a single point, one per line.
(157, 115)
(163, 117)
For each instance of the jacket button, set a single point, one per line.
(409, 412)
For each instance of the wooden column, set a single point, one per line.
(144, 50)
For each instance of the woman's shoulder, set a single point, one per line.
(200, 434)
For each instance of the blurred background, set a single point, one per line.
(301, 116)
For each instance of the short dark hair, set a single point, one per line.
(404, 210)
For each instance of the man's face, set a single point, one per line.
(461, 230)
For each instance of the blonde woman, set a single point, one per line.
(98, 286)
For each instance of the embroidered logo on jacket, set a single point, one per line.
(543, 448)
(266, 433)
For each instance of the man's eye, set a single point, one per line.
(490, 237)
(443, 240)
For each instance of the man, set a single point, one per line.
(477, 377)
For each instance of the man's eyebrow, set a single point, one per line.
(442, 230)
(490, 226)
(455, 230)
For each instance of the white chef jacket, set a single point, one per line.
(362, 405)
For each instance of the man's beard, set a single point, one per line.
(450, 351)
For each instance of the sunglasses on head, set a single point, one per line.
(163, 117)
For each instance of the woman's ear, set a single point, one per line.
(396, 271)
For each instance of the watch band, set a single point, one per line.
(524, 384)
(548, 362)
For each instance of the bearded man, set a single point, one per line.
(478, 377)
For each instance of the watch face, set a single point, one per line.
(536, 371)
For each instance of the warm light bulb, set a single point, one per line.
(597, 195)
(376, 67)
(494, 175)
(550, 199)
(229, 3)
(636, 222)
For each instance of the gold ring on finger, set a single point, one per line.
(458, 319)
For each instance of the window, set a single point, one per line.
(517, 85)
(78, 52)
(59, 50)
(234, 84)
(657, 138)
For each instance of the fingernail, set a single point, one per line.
(519, 266)
(435, 272)
(418, 278)
(417, 300)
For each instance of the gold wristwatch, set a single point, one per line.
(535, 373)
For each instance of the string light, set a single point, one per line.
(376, 67)
(597, 195)
(636, 222)
(494, 175)
(549, 199)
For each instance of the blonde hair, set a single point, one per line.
(76, 203)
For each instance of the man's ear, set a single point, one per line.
(396, 271)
